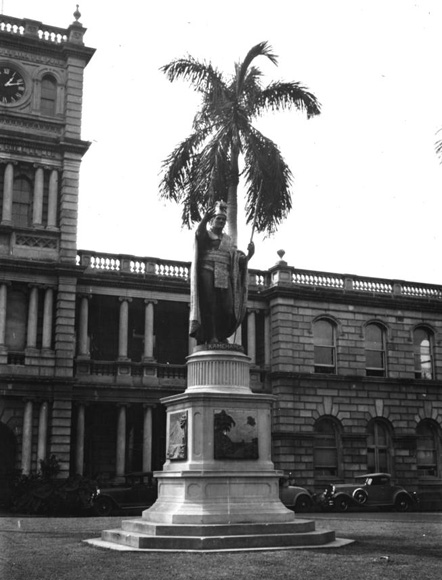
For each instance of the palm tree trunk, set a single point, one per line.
(232, 195)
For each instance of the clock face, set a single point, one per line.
(12, 85)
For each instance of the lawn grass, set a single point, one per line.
(385, 549)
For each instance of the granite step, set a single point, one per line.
(212, 543)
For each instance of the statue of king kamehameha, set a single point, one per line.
(218, 293)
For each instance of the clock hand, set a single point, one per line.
(8, 84)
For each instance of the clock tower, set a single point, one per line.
(41, 91)
(41, 86)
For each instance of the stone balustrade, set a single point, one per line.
(156, 267)
(39, 31)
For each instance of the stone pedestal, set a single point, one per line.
(218, 467)
(218, 489)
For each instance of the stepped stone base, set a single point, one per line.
(137, 535)
(219, 490)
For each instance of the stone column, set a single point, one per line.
(8, 187)
(32, 318)
(83, 340)
(79, 447)
(267, 339)
(26, 445)
(123, 328)
(147, 439)
(42, 433)
(37, 206)
(121, 442)
(251, 336)
(148, 329)
(53, 200)
(48, 312)
(3, 306)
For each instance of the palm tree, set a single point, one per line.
(205, 167)
(438, 146)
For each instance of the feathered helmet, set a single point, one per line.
(221, 208)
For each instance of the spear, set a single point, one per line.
(258, 199)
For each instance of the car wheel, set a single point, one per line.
(402, 503)
(342, 503)
(103, 506)
(303, 504)
(360, 496)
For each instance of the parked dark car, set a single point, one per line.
(295, 498)
(139, 490)
(370, 490)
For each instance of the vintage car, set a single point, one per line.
(370, 490)
(138, 491)
(295, 498)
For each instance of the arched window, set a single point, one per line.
(428, 450)
(378, 446)
(423, 353)
(48, 96)
(374, 350)
(324, 338)
(21, 202)
(327, 447)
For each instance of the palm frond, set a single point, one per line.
(287, 95)
(438, 146)
(200, 74)
(261, 49)
(267, 171)
(177, 168)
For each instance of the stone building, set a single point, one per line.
(90, 342)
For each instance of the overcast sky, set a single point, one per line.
(367, 188)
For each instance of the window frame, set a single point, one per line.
(376, 371)
(320, 470)
(419, 373)
(377, 447)
(319, 367)
(48, 98)
(433, 432)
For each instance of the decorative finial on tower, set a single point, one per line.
(281, 254)
(77, 14)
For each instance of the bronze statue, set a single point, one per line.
(218, 280)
